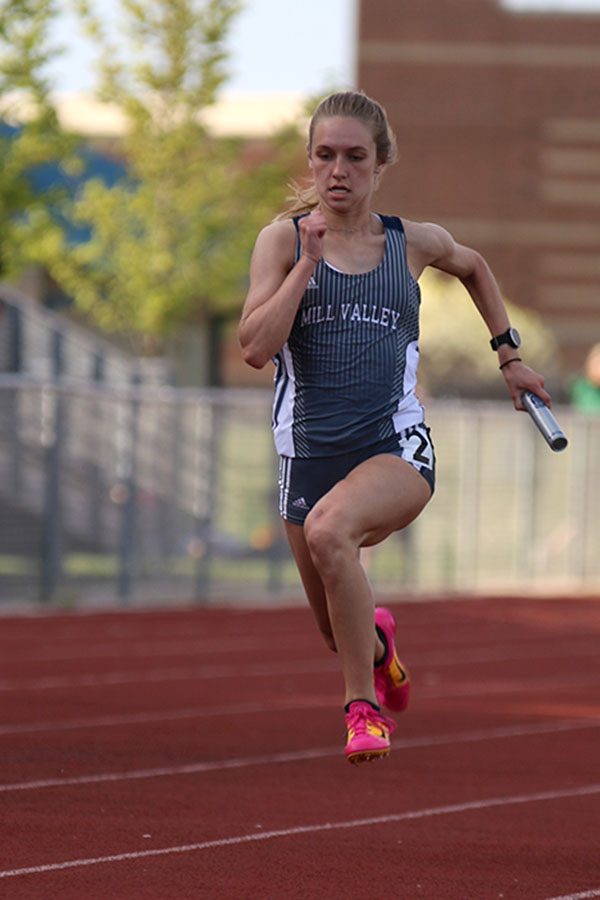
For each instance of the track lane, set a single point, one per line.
(452, 748)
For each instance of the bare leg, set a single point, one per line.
(382, 495)
(311, 580)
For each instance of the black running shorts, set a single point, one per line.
(302, 482)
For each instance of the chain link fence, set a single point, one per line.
(131, 495)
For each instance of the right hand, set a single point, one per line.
(312, 231)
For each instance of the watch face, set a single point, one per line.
(511, 337)
(514, 337)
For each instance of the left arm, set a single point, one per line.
(434, 246)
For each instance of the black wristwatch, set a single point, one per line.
(511, 337)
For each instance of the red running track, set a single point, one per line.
(199, 754)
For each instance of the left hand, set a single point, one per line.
(519, 378)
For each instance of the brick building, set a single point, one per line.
(497, 115)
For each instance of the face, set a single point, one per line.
(344, 163)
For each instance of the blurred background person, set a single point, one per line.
(585, 388)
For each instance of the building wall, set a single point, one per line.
(498, 126)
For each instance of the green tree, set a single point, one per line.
(25, 101)
(171, 242)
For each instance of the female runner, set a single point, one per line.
(334, 302)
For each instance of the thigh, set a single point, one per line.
(302, 482)
(381, 495)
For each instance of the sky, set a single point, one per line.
(554, 5)
(287, 45)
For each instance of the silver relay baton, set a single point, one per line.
(543, 418)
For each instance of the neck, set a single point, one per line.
(360, 224)
(356, 230)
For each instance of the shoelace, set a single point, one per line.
(357, 720)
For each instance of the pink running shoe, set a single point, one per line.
(367, 733)
(392, 683)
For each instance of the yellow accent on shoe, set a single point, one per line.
(367, 733)
(391, 678)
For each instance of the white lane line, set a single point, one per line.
(89, 649)
(64, 633)
(243, 762)
(508, 654)
(275, 705)
(198, 647)
(505, 686)
(151, 717)
(306, 667)
(452, 809)
(582, 895)
(145, 676)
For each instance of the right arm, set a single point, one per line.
(276, 288)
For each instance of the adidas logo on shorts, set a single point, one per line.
(300, 503)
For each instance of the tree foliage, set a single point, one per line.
(171, 242)
(25, 101)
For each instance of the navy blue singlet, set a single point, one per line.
(346, 376)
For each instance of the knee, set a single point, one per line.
(327, 543)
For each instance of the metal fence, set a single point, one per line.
(45, 344)
(139, 495)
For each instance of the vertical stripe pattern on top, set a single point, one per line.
(346, 376)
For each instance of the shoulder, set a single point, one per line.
(274, 252)
(276, 241)
(280, 233)
(428, 239)
(431, 245)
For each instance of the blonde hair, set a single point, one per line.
(351, 105)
